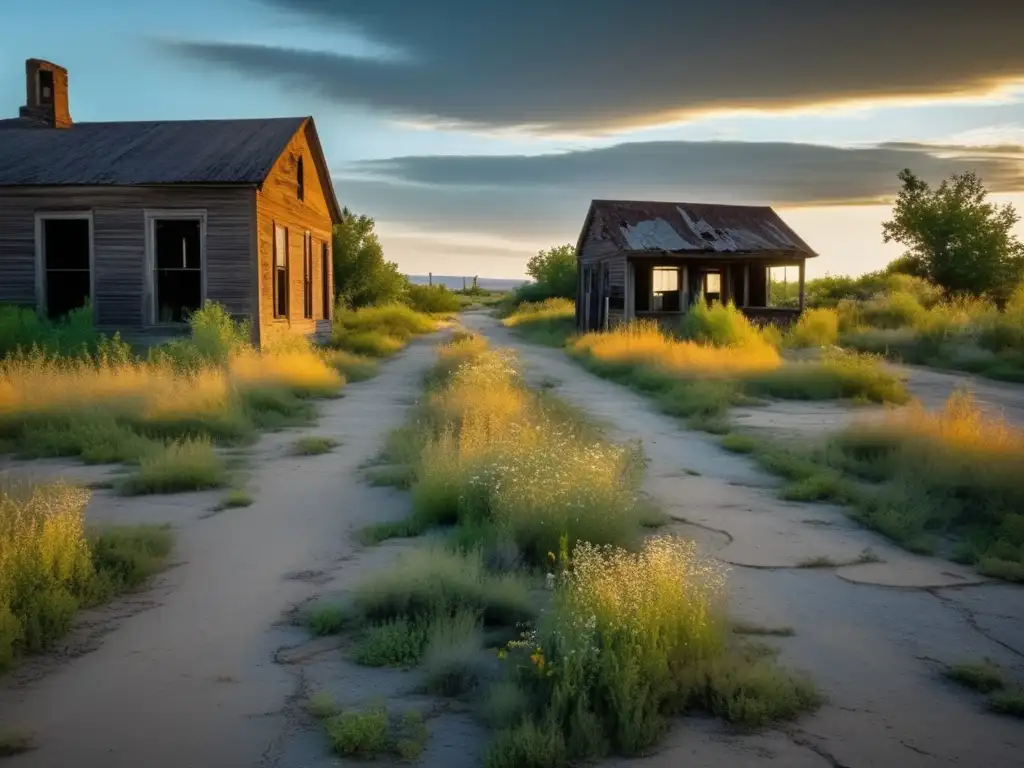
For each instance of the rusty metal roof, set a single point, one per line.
(137, 153)
(694, 228)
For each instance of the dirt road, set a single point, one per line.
(874, 636)
(198, 671)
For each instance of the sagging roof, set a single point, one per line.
(693, 228)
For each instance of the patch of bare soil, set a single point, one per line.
(205, 668)
(874, 636)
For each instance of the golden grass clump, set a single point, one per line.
(299, 370)
(646, 343)
(632, 638)
(960, 425)
(44, 564)
(958, 472)
(549, 309)
(498, 454)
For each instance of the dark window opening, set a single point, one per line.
(45, 86)
(300, 179)
(66, 265)
(178, 269)
(280, 271)
(325, 279)
(307, 277)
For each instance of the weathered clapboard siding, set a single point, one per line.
(119, 242)
(277, 202)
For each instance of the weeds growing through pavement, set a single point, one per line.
(370, 732)
(314, 445)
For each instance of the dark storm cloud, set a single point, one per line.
(599, 64)
(530, 195)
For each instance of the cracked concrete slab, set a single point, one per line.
(873, 636)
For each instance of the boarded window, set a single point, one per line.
(280, 271)
(66, 265)
(307, 277)
(665, 288)
(178, 269)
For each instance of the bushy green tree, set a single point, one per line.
(554, 272)
(957, 239)
(362, 276)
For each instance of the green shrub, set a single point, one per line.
(1008, 703)
(359, 734)
(396, 642)
(432, 582)
(815, 328)
(432, 299)
(23, 329)
(314, 445)
(624, 646)
(717, 324)
(182, 465)
(49, 567)
(984, 677)
(327, 619)
(451, 659)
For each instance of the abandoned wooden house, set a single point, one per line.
(145, 221)
(647, 259)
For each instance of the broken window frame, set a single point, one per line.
(151, 217)
(300, 179)
(280, 275)
(42, 270)
(658, 294)
(307, 275)
(326, 297)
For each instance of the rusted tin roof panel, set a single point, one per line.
(696, 228)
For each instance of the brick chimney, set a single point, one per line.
(46, 94)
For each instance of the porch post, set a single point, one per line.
(684, 286)
(802, 264)
(630, 303)
(746, 284)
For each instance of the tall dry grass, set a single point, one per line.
(631, 639)
(379, 331)
(212, 385)
(49, 568)
(954, 473)
(497, 455)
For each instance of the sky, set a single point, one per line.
(476, 132)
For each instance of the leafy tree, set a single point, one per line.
(554, 272)
(362, 276)
(957, 239)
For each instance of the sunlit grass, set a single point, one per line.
(956, 472)
(645, 343)
(50, 567)
(631, 639)
(496, 453)
(117, 408)
(700, 380)
(185, 465)
(549, 322)
(379, 331)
